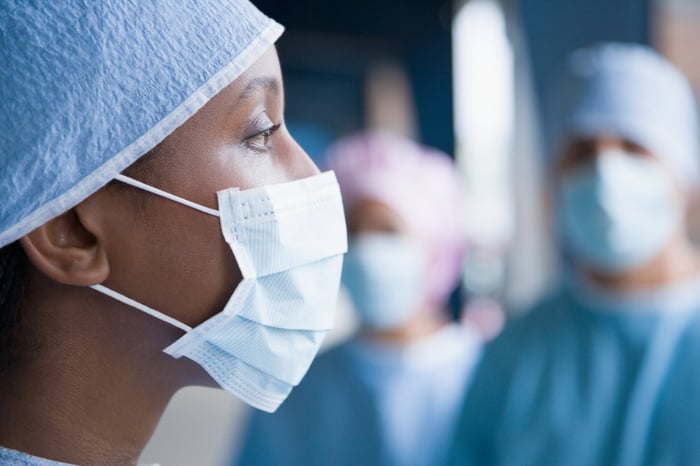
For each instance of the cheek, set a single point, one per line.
(199, 269)
(178, 263)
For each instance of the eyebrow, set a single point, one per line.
(258, 85)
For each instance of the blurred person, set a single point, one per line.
(159, 228)
(605, 369)
(389, 395)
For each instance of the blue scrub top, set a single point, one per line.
(587, 378)
(10, 457)
(365, 403)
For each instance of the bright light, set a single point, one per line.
(484, 109)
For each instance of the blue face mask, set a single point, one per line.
(619, 212)
(384, 275)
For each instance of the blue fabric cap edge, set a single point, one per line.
(147, 141)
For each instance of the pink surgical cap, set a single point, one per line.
(421, 184)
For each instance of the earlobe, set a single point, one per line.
(66, 251)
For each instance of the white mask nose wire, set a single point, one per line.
(165, 194)
(141, 307)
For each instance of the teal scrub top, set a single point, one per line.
(372, 404)
(589, 378)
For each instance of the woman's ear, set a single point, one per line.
(67, 251)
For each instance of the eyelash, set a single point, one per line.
(266, 134)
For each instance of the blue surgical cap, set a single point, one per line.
(88, 87)
(629, 91)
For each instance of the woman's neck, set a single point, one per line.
(94, 395)
(46, 413)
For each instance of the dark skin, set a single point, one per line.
(94, 387)
(677, 261)
(370, 216)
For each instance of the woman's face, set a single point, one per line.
(172, 257)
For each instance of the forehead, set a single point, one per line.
(260, 81)
(262, 78)
(263, 75)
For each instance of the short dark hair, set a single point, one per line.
(13, 271)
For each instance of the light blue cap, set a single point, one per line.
(88, 87)
(632, 92)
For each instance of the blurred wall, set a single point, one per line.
(553, 29)
(329, 48)
(676, 33)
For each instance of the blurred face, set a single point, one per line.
(384, 269)
(171, 257)
(619, 206)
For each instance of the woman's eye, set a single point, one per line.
(261, 140)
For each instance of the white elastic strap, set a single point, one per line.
(141, 307)
(165, 194)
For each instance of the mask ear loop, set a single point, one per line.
(158, 192)
(125, 299)
(141, 307)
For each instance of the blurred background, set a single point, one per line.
(469, 77)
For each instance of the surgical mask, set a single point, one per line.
(619, 212)
(288, 240)
(384, 275)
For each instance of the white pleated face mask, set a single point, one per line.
(288, 240)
